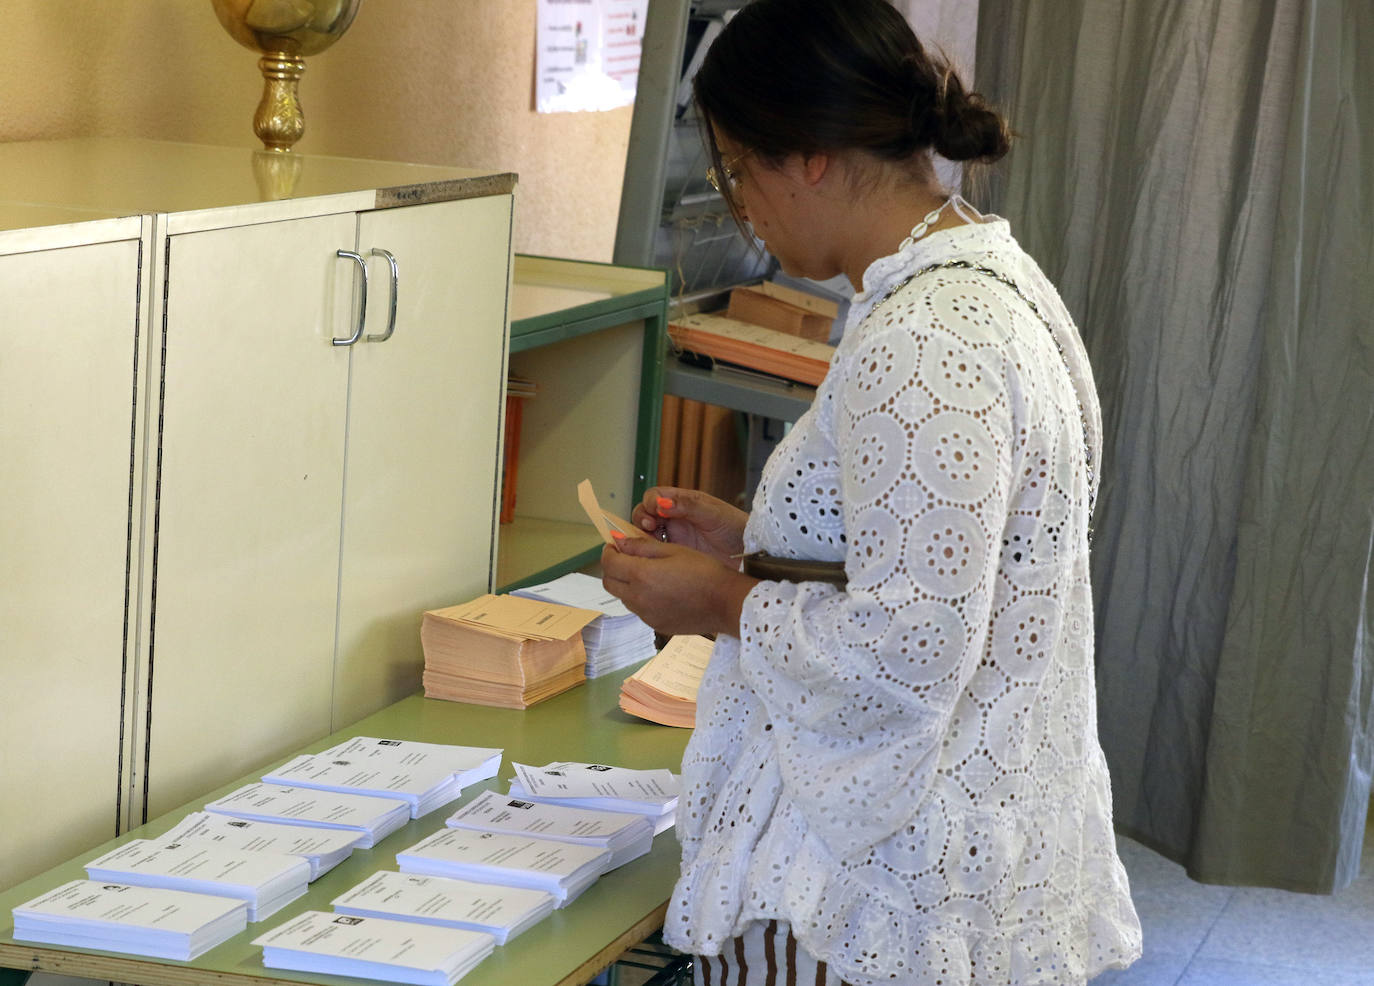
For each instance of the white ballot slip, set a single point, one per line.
(426, 775)
(651, 793)
(563, 869)
(375, 818)
(626, 836)
(114, 917)
(500, 911)
(374, 948)
(615, 639)
(267, 881)
(322, 848)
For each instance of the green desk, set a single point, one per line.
(569, 947)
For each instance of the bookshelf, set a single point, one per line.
(591, 337)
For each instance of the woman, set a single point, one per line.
(897, 779)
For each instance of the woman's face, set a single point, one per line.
(776, 201)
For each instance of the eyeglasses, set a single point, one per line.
(732, 181)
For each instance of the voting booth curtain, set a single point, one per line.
(1198, 180)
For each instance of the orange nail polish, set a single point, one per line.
(617, 535)
(664, 503)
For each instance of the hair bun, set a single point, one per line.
(962, 126)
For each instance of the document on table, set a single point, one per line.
(322, 848)
(498, 910)
(563, 869)
(589, 780)
(375, 818)
(115, 917)
(627, 836)
(425, 775)
(374, 948)
(267, 881)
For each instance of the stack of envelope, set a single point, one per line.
(503, 650)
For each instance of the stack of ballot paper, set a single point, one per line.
(373, 818)
(425, 775)
(374, 948)
(651, 793)
(503, 650)
(322, 848)
(119, 917)
(626, 836)
(563, 869)
(615, 639)
(665, 689)
(500, 911)
(267, 881)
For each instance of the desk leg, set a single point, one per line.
(14, 977)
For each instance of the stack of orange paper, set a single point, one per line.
(665, 689)
(503, 650)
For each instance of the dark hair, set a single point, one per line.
(807, 76)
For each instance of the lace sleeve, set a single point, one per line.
(860, 685)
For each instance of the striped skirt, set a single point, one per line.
(765, 955)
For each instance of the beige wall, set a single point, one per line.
(431, 81)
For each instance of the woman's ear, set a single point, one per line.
(814, 167)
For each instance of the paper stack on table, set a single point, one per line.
(425, 775)
(267, 881)
(118, 917)
(665, 689)
(503, 650)
(501, 911)
(615, 639)
(322, 848)
(374, 948)
(651, 793)
(563, 869)
(374, 818)
(626, 836)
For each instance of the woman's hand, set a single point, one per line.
(675, 589)
(694, 520)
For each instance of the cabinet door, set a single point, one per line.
(424, 414)
(247, 513)
(69, 373)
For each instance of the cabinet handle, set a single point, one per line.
(362, 300)
(395, 280)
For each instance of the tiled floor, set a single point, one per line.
(1198, 935)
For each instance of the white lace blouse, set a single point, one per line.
(908, 771)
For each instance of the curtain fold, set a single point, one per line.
(1198, 179)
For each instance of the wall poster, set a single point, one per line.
(588, 54)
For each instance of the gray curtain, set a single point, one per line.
(1197, 176)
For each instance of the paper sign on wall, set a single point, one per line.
(588, 54)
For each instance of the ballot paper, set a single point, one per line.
(500, 911)
(425, 775)
(119, 917)
(626, 836)
(615, 639)
(322, 848)
(651, 793)
(374, 818)
(563, 869)
(374, 948)
(267, 881)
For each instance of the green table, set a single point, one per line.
(569, 947)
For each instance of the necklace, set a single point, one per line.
(923, 227)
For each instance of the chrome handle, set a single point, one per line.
(362, 300)
(395, 280)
